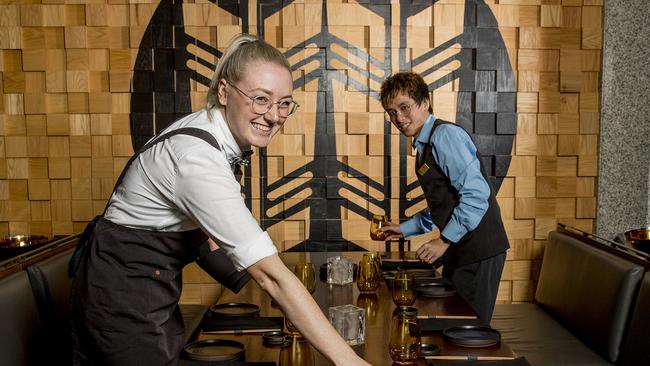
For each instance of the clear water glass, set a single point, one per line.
(350, 322)
(340, 270)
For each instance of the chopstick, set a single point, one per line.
(242, 331)
(470, 358)
(446, 317)
(399, 260)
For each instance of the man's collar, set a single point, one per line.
(425, 131)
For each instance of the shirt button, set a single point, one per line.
(157, 272)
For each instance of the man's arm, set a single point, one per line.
(456, 155)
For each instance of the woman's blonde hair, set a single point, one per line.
(243, 48)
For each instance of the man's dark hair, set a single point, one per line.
(408, 83)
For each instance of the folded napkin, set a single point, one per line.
(438, 325)
(521, 361)
(242, 324)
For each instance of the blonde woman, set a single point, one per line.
(179, 190)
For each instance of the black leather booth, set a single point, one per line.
(35, 314)
(51, 287)
(20, 327)
(584, 311)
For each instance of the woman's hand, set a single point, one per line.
(392, 231)
(301, 309)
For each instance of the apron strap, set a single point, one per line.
(192, 131)
(86, 236)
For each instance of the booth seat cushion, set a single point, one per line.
(589, 291)
(19, 322)
(534, 334)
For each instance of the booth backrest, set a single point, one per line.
(636, 349)
(20, 328)
(51, 287)
(591, 292)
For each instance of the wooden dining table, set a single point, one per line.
(378, 307)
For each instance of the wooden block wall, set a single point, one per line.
(67, 77)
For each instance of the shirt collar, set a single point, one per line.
(233, 153)
(423, 137)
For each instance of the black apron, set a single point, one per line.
(487, 239)
(127, 286)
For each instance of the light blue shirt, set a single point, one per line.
(455, 153)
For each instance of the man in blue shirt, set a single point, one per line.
(462, 204)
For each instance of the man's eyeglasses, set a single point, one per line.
(404, 110)
(262, 104)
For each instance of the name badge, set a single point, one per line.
(423, 169)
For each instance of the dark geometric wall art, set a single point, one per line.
(83, 83)
(470, 61)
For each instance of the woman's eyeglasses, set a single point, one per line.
(262, 104)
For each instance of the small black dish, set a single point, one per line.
(215, 350)
(235, 309)
(435, 289)
(275, 338)
(419, 277)
(474, 336)
(428, 349)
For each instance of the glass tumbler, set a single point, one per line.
(404, 342)
(350, 322)
(306, 274)
(299, 353)
(403, 291)
(369, 273)
(377, 222)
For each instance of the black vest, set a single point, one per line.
(487, 239)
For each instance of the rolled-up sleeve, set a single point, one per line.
(207, 192)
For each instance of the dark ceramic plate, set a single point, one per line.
(435, 289)
(215, 350)
(427, 349)
(275, 338)
(235, 309)
(419, 277)
(472, 336)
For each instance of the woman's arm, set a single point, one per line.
(301, 309)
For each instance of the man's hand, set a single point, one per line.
(432, 250)
(392, 231)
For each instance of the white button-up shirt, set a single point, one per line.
(184, 183)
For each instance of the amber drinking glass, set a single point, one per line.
(306, 274)
(377, 222)
(403, 292)
(370, 303)
(404, 342)
(299, 353)
(368, 275)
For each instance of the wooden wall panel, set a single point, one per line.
(68, 79)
